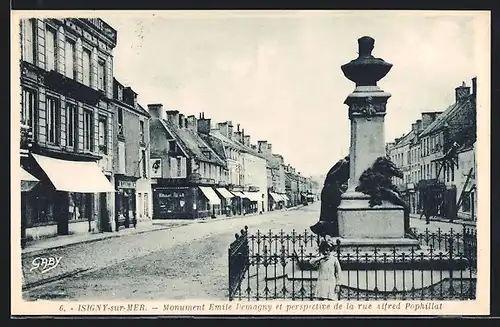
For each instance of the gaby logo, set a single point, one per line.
(45, 264)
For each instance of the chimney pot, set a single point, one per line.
(156, 110)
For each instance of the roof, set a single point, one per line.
(216, 144)
(449, 112)
(217, 134)
(193, 144)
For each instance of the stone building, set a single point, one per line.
(430, 155)
(440, 142)
(185, 170)
(275, 176)
(255, 175)
(66, 83)
(291, 186)
(222, 140)
(131, 158)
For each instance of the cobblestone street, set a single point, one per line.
(177, 263)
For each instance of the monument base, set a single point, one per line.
(357, 220)
(364, 228)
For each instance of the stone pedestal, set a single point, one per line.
(359, 224)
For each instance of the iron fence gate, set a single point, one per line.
(266, 266)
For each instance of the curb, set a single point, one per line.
(38, 251)
(40, 282)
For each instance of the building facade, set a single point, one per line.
(131, 158)
(66, 83)
(275, 176)
(184, 169)
(223, 142)
(437, 156)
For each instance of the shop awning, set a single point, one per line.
(253, 196)
(28, 181)
(240, 194)
(275, 197)
(210, 194)
(224, 193)
(75, 176)
(285, 197)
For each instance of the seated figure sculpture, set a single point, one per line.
(376, 182)
(331, 193)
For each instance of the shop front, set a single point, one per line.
(125, 202)
(66, 200)
(252, 202)
(226, 200)
(174, 201)
(210, 201)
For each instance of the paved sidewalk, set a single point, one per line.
(39, 246)
(66, 240)
(435, 225)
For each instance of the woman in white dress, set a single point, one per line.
(328, 284)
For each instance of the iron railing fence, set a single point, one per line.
(265, 266)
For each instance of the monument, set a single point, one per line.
(360, 223)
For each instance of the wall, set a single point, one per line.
(256, 175)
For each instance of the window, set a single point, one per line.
(50, 49)
(28, 108)
(171, 146)
(120, 121)
(70, 62)
(87, 130)
(144, 164)
(103, 135)
(101, 77)
(52, 120)
(29, 44)
(141, 124)
(86, 67)
(72, 123)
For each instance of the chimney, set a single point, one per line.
(419, 124)
(253, 146)
(181, 121)
(192, 123)
(223, 129)
(247, 140)
(173, 117)
(156, 111)
(428, 118)
(230, 129)
(414, 127)
(204, 124)
(270, 149)
(474, 86)
(262, 146)
(462, 92)
(242, 136)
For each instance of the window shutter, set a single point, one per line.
(173, 167)
(183, 168)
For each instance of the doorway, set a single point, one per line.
(103, 213)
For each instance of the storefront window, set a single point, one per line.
(80, 206)
(171, 201)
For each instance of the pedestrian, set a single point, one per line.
(329, 272)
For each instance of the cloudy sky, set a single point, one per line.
(278, 74)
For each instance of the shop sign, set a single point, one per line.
(155, 167)
(126, 184)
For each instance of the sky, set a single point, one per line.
(278, 75)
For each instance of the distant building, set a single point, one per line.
(185, 170)
(255, 174)
(66, 83)
(222, 141)
(275, 176)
